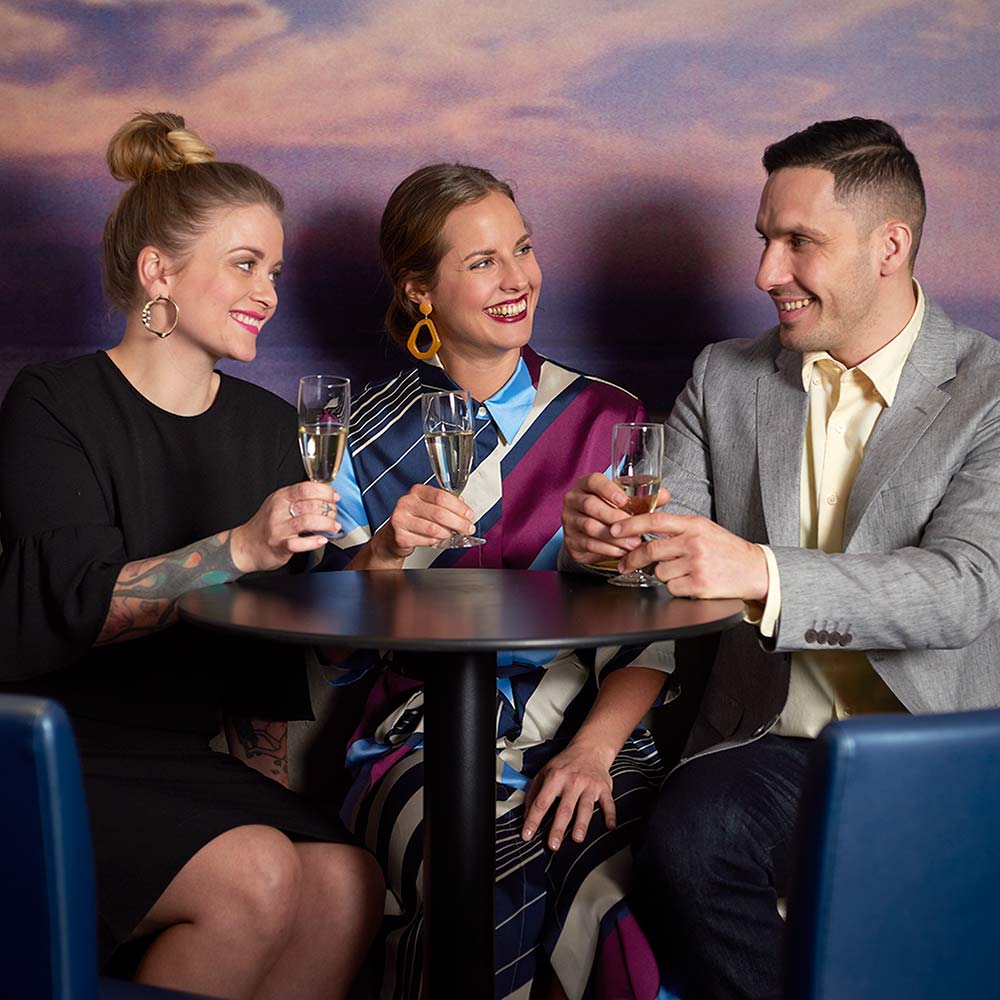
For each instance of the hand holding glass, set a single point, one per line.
(324, 413)
(637, 469)
(449, 433)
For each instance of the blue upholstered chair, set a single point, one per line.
(896, 885)
(48, 937)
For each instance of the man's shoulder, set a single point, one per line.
(745, 356)
(974, 352)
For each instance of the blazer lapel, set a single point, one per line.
(782, 407)
(916, 405)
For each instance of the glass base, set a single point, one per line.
(458, 541)
(637, 578)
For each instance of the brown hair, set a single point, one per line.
(410, 232)
(177, 186)
(868, 159)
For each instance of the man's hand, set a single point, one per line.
(696, 557)
(590, 508)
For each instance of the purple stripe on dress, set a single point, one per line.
(490, 555)
(384, 694)
(626, 967)
(577, 442)
(383, 764)
(533, 363)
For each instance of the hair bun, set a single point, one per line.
(153, 141)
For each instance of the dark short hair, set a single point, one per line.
(410, 233)
(868, 159)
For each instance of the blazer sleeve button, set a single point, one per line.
(810, 635)
(846, 638)
(821, 636)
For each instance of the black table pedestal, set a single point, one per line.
(459, 822)
(445, 626)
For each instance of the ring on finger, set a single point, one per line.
(327, 507)
(291, 509)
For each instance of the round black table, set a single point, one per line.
(446, 626)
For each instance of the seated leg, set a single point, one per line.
(226, 917)
(713, 862)
(339, 911)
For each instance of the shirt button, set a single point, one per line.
(815, 380)
(481, 412)
(840, 428)
(832, 499)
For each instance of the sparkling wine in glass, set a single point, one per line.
(324, 413)
(449, 433)
(637, 469)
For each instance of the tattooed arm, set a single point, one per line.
(145, 595)
(261, 744)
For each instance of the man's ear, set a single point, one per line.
(894, 245)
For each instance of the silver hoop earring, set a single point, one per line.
(145, 315)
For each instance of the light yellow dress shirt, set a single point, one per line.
(844, 406)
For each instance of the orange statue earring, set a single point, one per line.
(428, 324)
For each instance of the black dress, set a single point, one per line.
(92, 476)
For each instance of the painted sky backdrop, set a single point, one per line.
(632, 130)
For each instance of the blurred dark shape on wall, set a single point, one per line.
(51, 284)
(50, 281)
(654, 293)
(340, 294)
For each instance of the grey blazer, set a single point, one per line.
(917, 587)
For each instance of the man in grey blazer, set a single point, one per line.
(841, 475)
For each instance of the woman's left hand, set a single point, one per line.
(579, 778)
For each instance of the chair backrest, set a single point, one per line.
(896, 883)
(47, 918)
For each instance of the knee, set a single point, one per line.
(345, 880)
(366, 884)
(369, 878)
(260, 889)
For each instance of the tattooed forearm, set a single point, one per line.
(261, 743)
(145, 595)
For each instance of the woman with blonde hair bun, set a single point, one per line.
(132, 476)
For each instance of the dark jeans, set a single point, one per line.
(713, 863)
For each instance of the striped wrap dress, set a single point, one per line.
(535, 437)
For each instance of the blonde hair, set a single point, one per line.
(177, 188)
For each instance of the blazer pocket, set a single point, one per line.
(925, 492)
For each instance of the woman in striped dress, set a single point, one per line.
(575, 770)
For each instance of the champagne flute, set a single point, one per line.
(450, 436)
(324, 411)
(637, 469)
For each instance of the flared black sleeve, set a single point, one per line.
(62, 553)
